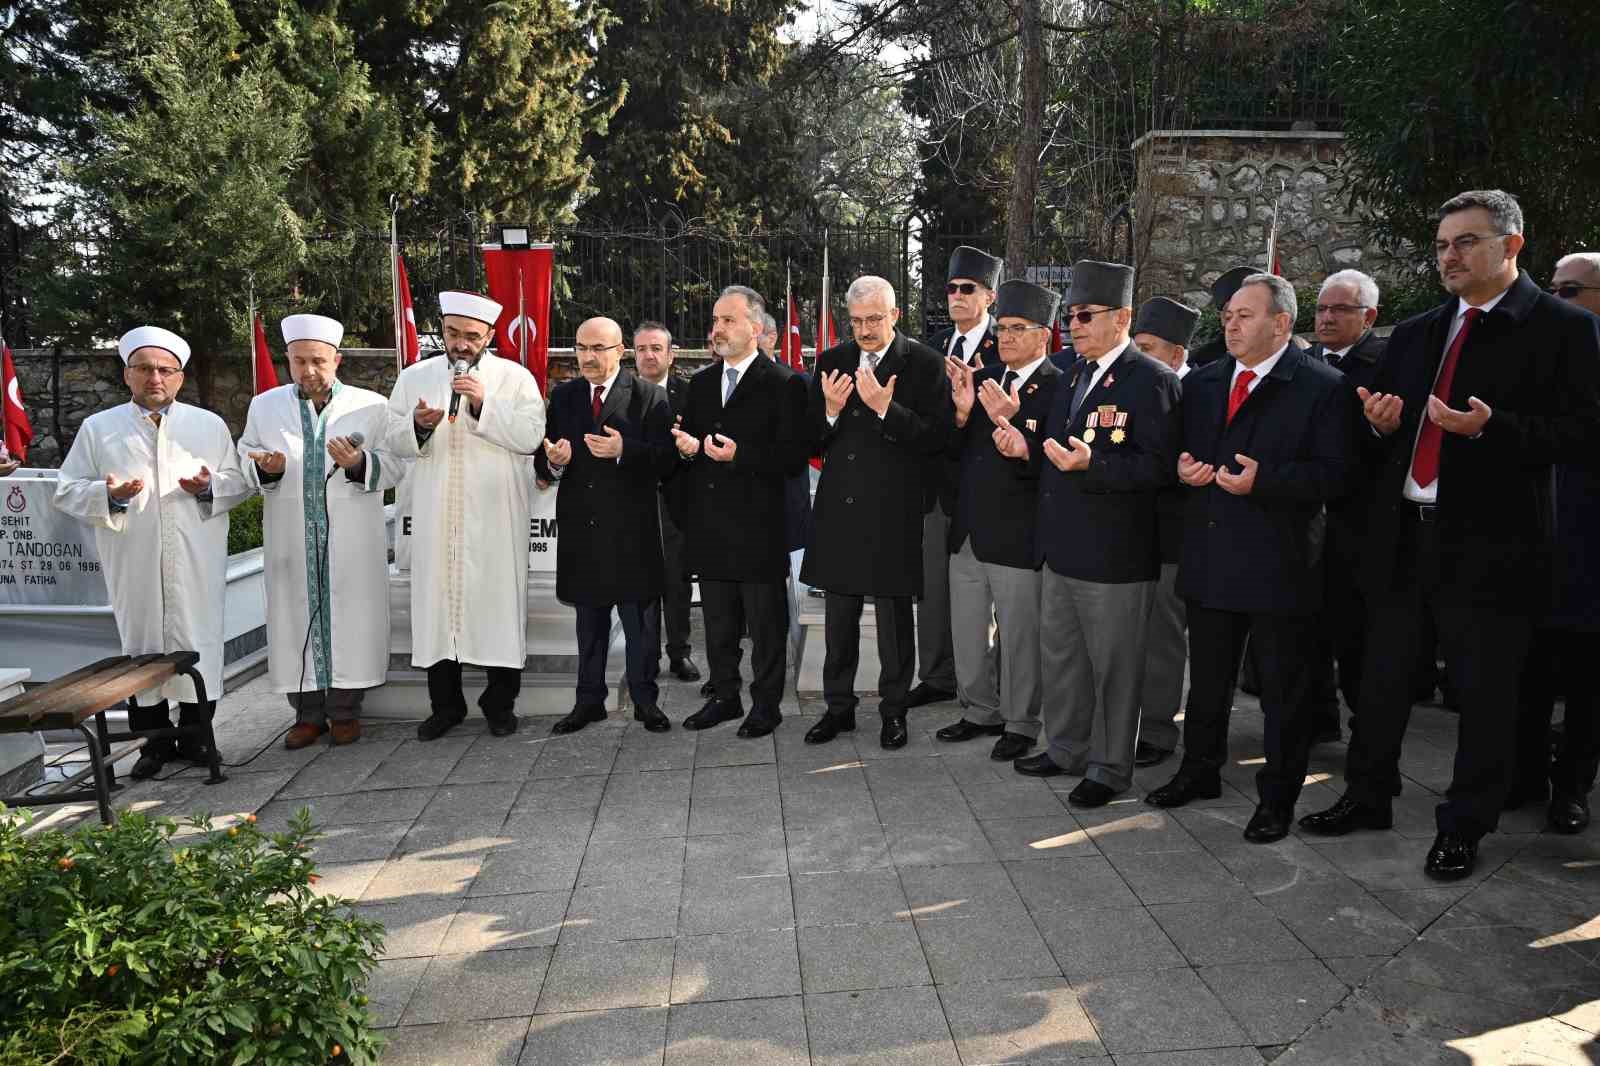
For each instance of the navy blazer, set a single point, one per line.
(1100, 524)
(944, 473)
(609, 550)
(997, 504)
(1261, 553)
(1535, 360)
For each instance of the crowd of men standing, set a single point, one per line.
(1080, 528)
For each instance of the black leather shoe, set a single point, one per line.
(1181, 790)
(759, 722)
(962, 729)
(715, 712)
(1346, 816)
(925, 694)
(438, 724)
(1451, 858)
(831, 726)
(708, 690)
(1525, 794)
(190, 750)
(578, 717)
(503, 725)
(1037, 766)
(1569, 816)
(1090, 794)
(147, 765)
(684, 669)
(1267, 825)
(651, 716)
(1150, 755)
(1010, 746)
(893, 734)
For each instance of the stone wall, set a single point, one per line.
(1206, 198)
(61, 389)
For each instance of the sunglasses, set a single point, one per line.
(1569, 290)
(965, 288)
(1086, 317)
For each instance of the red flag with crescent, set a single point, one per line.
(18, 429)
(519, 280)
(266, 376)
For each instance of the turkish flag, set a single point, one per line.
(410, 347)
(1056, 340)
(519, 281)
(791, 338)
(18, 430)
(266, 377)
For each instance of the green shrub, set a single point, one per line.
(244, 526)
(120, 946)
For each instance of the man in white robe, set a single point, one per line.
(155, 478)
(468, 421)
(317, 451)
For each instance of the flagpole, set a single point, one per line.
(825, 319)
(250, 330)
(522, 322)
(1272, 237)
(788, 309)
(394, 284)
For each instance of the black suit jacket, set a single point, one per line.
(732, 514)
(1360, 364)
(1346, 515)
(1209, 352)
(609, 550)
(944, 473)
(1099, 524)
(866, 520)
(1535, 360)
(997, 506)
(1261, 553)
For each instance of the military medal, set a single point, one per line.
(1088, 436)
(1031, 425)
(1090, 423)
(1118, 436)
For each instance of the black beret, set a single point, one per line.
(969, 262)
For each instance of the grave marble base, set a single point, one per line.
(21, 754)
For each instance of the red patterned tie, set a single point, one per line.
(594, 404)
(1425, 461)
(1241, 390)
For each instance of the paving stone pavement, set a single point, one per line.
(684, 899)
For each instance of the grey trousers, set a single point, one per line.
(1091, 651)
(977, 590)
(1166, 653)
(936, 664)
(343, 705)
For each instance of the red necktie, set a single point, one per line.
(594, 404)
(1241, 390)
(1425, 460)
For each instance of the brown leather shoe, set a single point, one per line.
(303, 735)
(346, 732)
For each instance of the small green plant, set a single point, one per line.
(244, 526)
(123, 946)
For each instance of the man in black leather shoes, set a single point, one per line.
(608, 443)
(992, 531)
(1269, 435)
(1473, 404)
(879, 412)
(741, 436)
(1108, 449)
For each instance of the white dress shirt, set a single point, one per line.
(972, 338)
(738, 369)
(1261, 370)
(1411, 490)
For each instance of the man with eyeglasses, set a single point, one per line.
(322, 494)
(155, 478)
(1473, 404)
(1109, 448)
(880, 411)
(1162, 330)
(741, 435)
(1269, 436)
(653, 356)
(608, 444)
(992, 566)
(972, 275)
(1564, 660)
(467, 421)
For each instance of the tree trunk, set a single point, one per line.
(1025, 175)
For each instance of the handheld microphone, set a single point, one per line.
(458, 368)
(356, 440)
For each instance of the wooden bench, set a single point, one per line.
(69, 702)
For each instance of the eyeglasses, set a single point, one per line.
(1014, 331)
(871, 321)
(1464, 244)
(1568, 290)
(1340, 309)
(152, 370)
(965, 288)
(1086, 317)
(593, 349)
